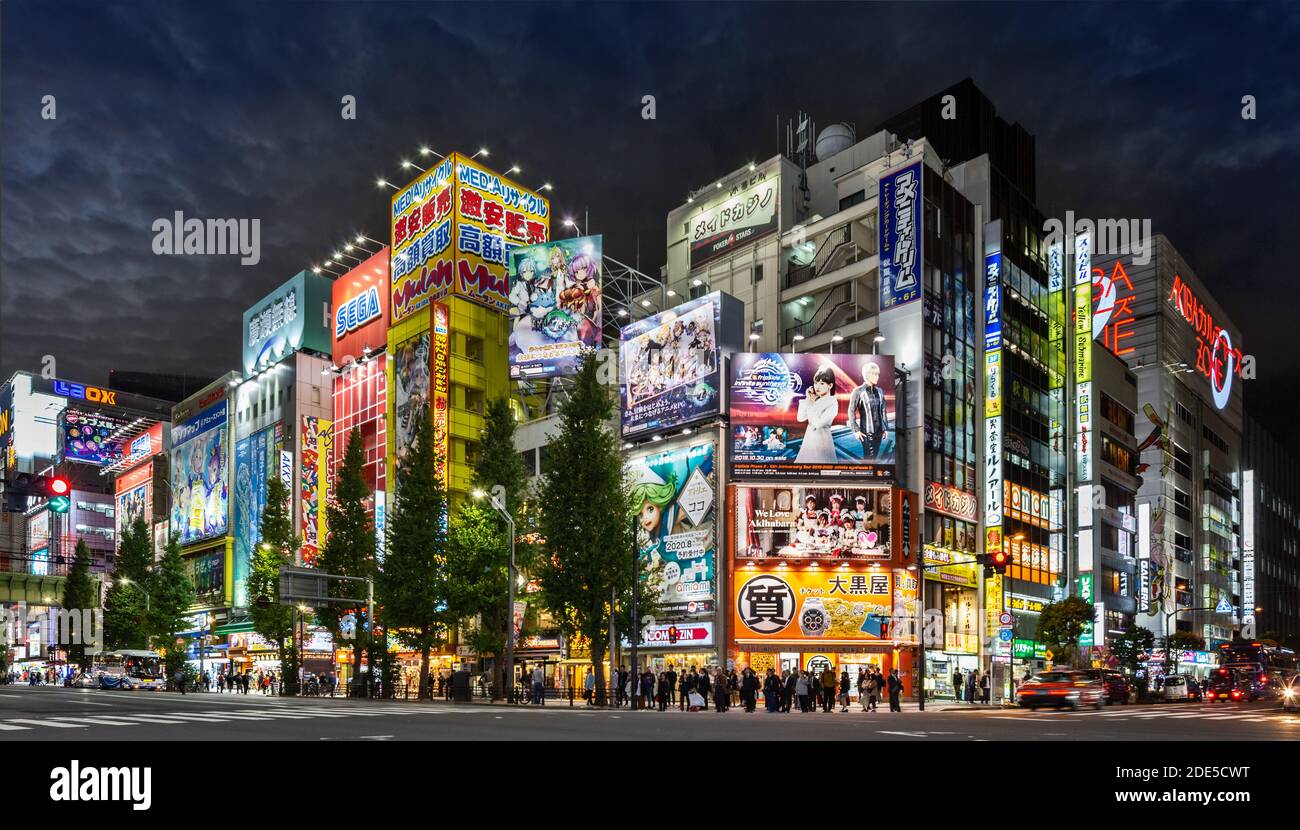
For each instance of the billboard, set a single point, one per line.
(674, 494)
(812, 415)
(256, 461)
(199, 478)
(747, 213)
(555, 306)
(134, 490)
(313, 485)
(421, 240)
(826, 605)
(92, 437)
(143, 445)
(493, 216)
(360, 302)
(1083, 357)
(671, 365)
(901, 236)
(993, 471)
(440, 369)
(821, 523)
(411, 399)
(292, 317)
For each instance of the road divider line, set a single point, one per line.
(56, 724)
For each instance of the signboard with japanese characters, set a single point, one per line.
(746, 213)
(816, 605)
(294, 316)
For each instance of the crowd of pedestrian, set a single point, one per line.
(975, 688)
(699, 688)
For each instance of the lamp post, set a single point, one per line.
(510, 590)
(920, 634)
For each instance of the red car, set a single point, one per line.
(1060, 689)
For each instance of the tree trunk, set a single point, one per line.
(424, 671)
(598, 669)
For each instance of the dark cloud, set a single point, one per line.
(233, 110)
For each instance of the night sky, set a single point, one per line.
(233, 110)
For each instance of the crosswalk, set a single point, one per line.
(222, 715)
(1147, 713)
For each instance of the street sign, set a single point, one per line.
(1005, 635)
(1005, 619)
(1224, 607)
(60, 504)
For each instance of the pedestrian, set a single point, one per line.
(985, 688)
(862, 688)
(180, 681)
(685, 685)
(665, 690)
(647, 689)
(895, 689)
(972, 683)
(828, 689)
(788, 693)
(539, 689)
(957, 685)
(721, 696)
(874, 681)
(733, 685)
(844, 690)
(672, 684)
(246, 680)
(771, 690)
(703, 687)
(589, 688)
(221, 684)
(801, 690)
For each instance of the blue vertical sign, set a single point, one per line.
(901, 205)
(993, 301)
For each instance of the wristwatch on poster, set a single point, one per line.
(814, 621)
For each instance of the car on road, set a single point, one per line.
(1181, 687)
(85, 681)
(1227, 684)
(1059, 689)
(1118, 688)
(1291, 695)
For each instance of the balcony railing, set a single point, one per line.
(834, 301)
(839, 240)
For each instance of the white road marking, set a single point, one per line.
(148, 719)
(38, 722)
(9, 727)
(100, 721)
(905, 734)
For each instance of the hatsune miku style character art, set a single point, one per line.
(656, 512)
(521, 293)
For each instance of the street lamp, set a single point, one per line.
(510, 590)
(122, 580)
(571, 223)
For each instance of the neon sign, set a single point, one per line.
(1112, 309)
(1216, 357)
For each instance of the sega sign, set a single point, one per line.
(356, 312)
(94, 394)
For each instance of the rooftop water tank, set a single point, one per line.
(833, 139)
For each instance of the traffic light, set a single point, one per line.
(999, 561)
(672, 635)
(55, 489)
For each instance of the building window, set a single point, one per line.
(1116, 414)
(1182, 462)
(1183, 413)
(698, 291)
(853, 199)
(758, 273)
(474, 400)
(474, 348)
(1182, 505)
(529, 458)
(1117, 455)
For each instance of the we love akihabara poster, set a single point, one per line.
(809, 415)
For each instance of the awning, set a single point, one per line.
(241, 627)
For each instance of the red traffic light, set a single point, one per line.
(58, 486)
(672, 634)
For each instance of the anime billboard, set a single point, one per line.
(674, 494)
(555, 306)
(256, 461)
(819, 523)
(812, 415)
(411, 398)
(827, 605)
(199, 479)
(670, 366)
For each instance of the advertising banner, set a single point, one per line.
(555, 306)
(199, 486)
(313, 485)
(684, 635)
(1083, 357)
(956, 567)
(901, 237)
(134, 491)
(951, 501)
(747, 213)
(812, 415)
(92, 437)
(493, 215)
(670, 364)
(143, 445)
(256, 462)
(360, 302)
(675, 495)
(6, 425)
(411, 366)
(441, 371)
(801, 523)
(907, 605)
(829, 605)
(421, 216)
(292, 317)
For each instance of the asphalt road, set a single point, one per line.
(58, 714)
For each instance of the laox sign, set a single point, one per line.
(94, 394)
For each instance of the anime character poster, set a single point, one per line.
(670, 367)
(813, 523)
(411, 401)
(254, 460)
(674, 495)
(801, 415)
(199, 478)
(555, 306)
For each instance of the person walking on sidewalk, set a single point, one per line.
(844, 690)
(985, 688)
(589, 688)
(828, 689)
(539, 686)
(791, 685)
(874, 681)
(801, 690)
(895, 689)
(957, 685)
(972, 683)
(721, 696)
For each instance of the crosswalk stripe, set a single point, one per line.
(100, 721)
(148, 719)
(193, 717)
(11, 728)
(230, 716)
(1225, 717)
(37, 722)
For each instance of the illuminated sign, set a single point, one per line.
(1032, 605)
(356, 312)
(1083, 356)
(901, 210)
(360, 301)
(993, 301)
(421, 239)
(555, 306)
(818, 605)
(92, 437)
(947, 499)
(1085, 594)
(674, 501)
(144, 445)
(993, 480)
(94, 394)
(956, 568)
(313, 485)
(1113, 319)
(292, 317)
(381, 524)
(747, 213)
(1216, 357)
(441, 371)
(1248, 546)
(1027, 505)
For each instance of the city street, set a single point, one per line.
(58, 714)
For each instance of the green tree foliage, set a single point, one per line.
(1178, 642)
(272, 620)
(349, 550)
(1062, 623)
(584, 507)
(125, 622)
(171, 595)
(478, 552)
(1128, 649)
(79, 592)
(413, 582)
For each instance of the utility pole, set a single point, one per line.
(634, 635)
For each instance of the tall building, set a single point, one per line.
(1270, 534)
(1159, 317)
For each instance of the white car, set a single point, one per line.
(1180, 687)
